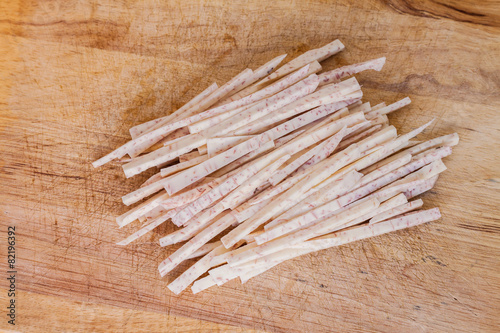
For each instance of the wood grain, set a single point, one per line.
(40, 312)
(76, 75)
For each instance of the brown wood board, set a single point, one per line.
(75, 76)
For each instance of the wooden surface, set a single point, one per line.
(42, 313)
(76, 75)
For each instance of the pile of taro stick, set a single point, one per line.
(281, 161)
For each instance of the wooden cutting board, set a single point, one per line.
(76, 75)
